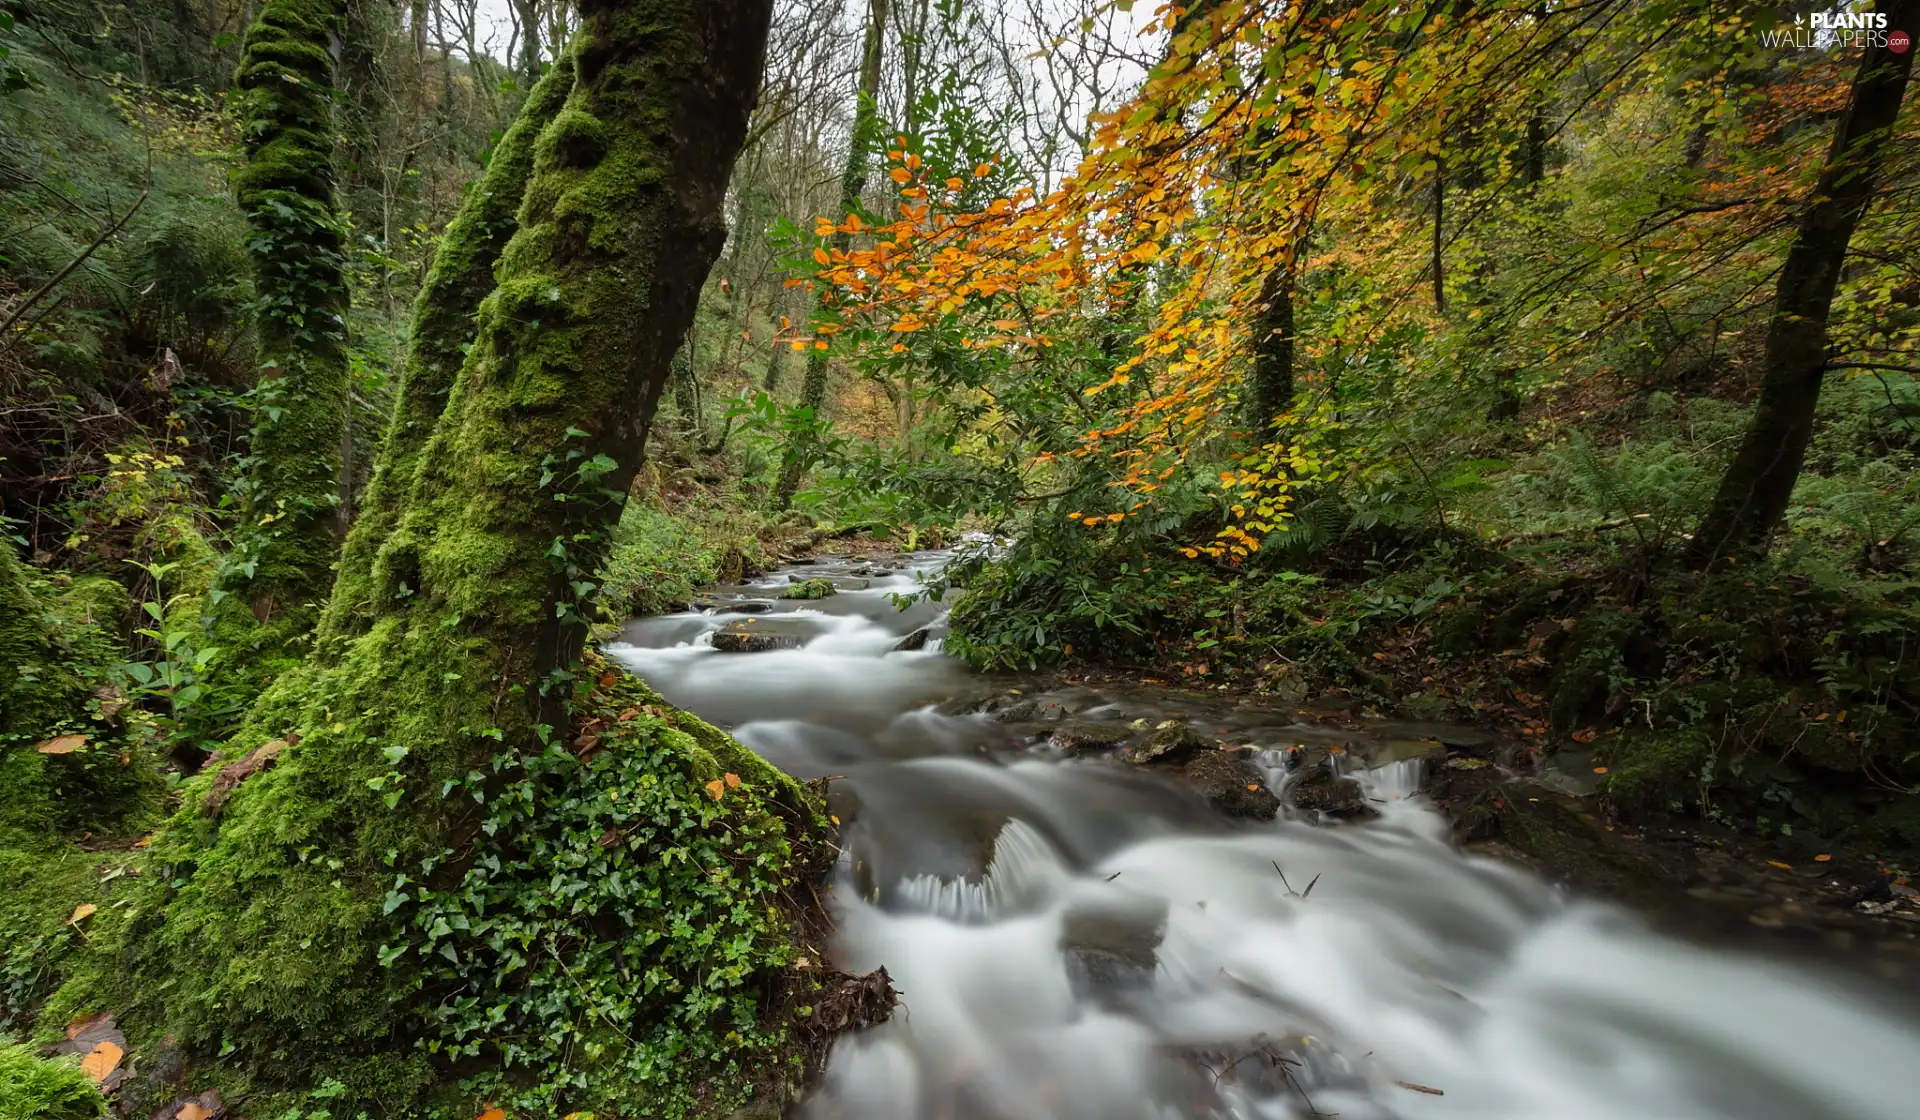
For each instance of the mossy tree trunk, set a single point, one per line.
(803, 447)
(1270, 392)
(418, 770)
(1759, 482)
(293, 512)
(443, 325)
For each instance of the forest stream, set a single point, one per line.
(1073, 936)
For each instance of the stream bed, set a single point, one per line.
(1075, 936)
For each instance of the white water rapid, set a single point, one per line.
(1073, 937)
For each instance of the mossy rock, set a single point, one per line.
(36, 1088)
(817, 588)
(1655, 770)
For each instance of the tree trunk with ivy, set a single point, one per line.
(1759, 482)
(803, 447)
(293, 512)
(462, 848)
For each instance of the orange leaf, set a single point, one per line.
(61, 744)
(492, 1114)
(192, 1110)
(733, 781)
(1599, 769)
(715, 788)
(900, 175)
(82, 912)
(1778, 864)
(1585, 735)
(1823, 857)
(104, 1059)
(955, 184)
(983, 171)
(821, 256)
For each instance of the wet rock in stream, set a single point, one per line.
(754, 636)
(912, 642)
(1223, 776)
(1112, 948)
(1086, 737)
(1319, 789)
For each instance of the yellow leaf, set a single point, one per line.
(104, 1059)
(715, 788)
(82, 912)
(61, 744)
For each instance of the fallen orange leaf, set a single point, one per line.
(1822, 858)
(1599, 769)
(104, 1059)
(715, 788)
(61, 744)
(1585, 735)
(492, 1114)
(1781, 866)
(733, 780)
(192, 1110)
(82, 912)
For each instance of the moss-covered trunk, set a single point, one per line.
(293, 513)
(451, 841)
(443, 325)
(803, 447)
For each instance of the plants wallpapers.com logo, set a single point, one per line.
(1837, 30)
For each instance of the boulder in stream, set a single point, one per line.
(912, 642)
(1087, 737)
(1171, 742)
(817, 588)
(752, 636)
(1319, 790)
(1231, 784)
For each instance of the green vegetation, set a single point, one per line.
(47, 1090)
(1551, 368)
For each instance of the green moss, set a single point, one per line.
(437, 772)
(809, 589)
(35, 1088)
(1659, 770)
(461, 277)
(283, 553)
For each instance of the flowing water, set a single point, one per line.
(1073, 937)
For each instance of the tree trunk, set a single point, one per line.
(1759, 482)
(1533, 171)
(1271, 391)
(801, 449)
(293, 488)
(528, 13)
(443, 319)
(295, 910)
